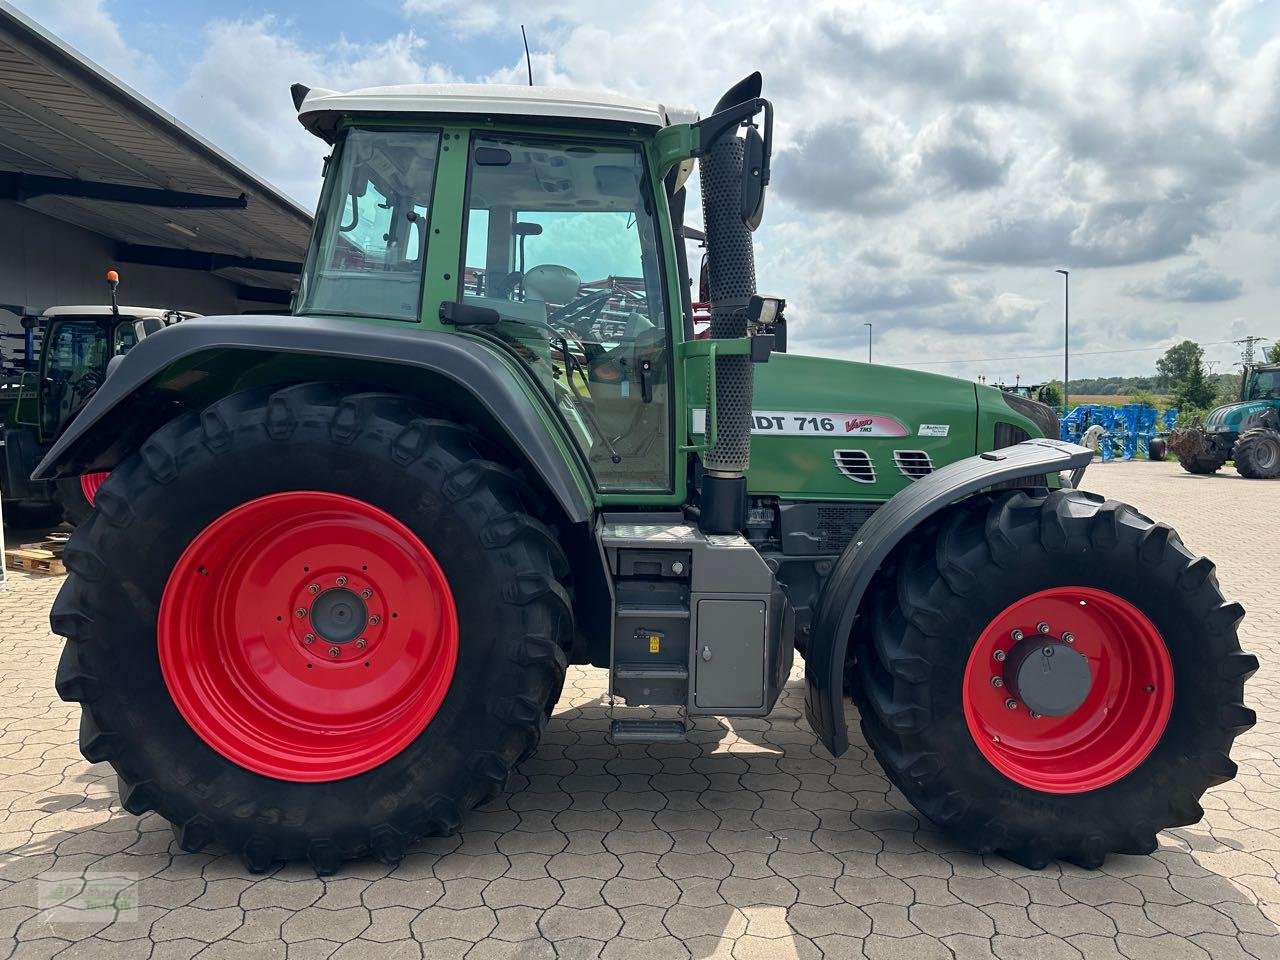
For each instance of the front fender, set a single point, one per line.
(842, 597)
(190, 364)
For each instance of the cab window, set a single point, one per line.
(561, 241)
(76, 361)
(372, 227)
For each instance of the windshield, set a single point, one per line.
(1264, 385)
(561, 242)
(371, 231)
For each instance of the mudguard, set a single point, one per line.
(115, 420)
(843, 594)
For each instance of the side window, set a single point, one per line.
(372, 227)
(562, 243)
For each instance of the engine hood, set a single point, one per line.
(1229, 416)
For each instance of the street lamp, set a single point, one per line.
(868, 326)
(1066, 335)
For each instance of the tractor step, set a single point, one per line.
(651, 671)
(648, 731)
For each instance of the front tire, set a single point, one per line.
(237, 550)
(1257, 454)
(1116, 754)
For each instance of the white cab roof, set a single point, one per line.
(126, 313)
(321, 109)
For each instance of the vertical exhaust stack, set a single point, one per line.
(731, 281)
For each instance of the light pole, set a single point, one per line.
(868, 326)
(1066, 335)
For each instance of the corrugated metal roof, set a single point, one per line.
(63, 116)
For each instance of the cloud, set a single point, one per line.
(849, 165)
(961, 150)
(1196, 283)
(237, 93)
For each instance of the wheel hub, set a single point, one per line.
(1068, 689)
(307, 636)
(339, 615)
(1048, 675)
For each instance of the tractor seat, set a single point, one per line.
(551, 283)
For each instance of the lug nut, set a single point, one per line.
(366, 593)
(300, 613)
(360, 644)
(1016, 636)
(1034, 715)
(333, 651)
(375, 620)
(1069, 637)
(309, 638)
(1042, 627)
(997, 681)
(1047, 651)
(998, 656)
(314, 588)
(1011, 704)
(341, 581)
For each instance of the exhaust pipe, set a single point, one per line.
(731, 282)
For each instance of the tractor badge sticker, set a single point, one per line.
(799, 423)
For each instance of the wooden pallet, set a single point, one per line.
(43, 557)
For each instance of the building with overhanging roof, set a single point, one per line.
(94, 176)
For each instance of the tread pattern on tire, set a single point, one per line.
(910, 651)
(266, 820)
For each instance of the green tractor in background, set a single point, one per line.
(328, 594)
(1247, 431)
(65, 360)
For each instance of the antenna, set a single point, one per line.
(527, 62)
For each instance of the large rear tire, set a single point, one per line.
(1115, 754)
(1257, 454)
(230, 558)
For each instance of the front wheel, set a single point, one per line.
(1257, 454)
(1052, 676)
(313, 624)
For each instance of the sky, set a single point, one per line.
(934, 163)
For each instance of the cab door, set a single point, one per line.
(73, 365)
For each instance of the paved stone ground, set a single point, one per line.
(747, 842)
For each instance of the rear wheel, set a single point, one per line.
(328, 625)
(1052, 676)
(1257, 454)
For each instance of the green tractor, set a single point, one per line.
(1247, 431)
(67, 354)
(329, 591)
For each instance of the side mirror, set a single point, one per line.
(754, 169)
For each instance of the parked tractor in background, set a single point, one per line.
(328, 594)
(66, 358)
(1246, 431)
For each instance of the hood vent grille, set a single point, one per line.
(913, 463)
(856, 465)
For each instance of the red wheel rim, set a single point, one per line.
(1122, 716)
(307, 636)
(90, 483)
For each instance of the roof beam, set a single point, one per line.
(199, 260)
(264, 294)
(24, 186)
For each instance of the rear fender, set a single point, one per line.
(842, 597)
(191, 364)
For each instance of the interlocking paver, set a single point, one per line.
(747, 842)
